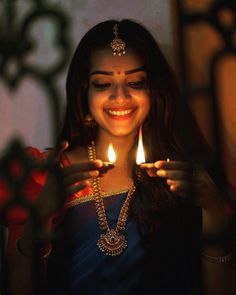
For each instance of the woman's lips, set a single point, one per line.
(120, 113)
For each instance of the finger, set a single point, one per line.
(60, 148)
(173, 174)
(54, 156)
(147, 165)
(178, 183)
(81, 167)
(172, 165)
(179, 187)
(63, 146)
(152, 172)
(77, 177)
(150, 169)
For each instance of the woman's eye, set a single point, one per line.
(101, 85)
(137, 84)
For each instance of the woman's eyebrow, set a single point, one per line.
(101, 73)
(98, 72)
(140, 69)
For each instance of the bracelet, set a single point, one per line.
(217, 259)
(21, 252)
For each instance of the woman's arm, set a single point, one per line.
(21, 263)
(219, 269)
(218, 264)
(22, 260)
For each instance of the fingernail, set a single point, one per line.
(161, 172)
(172, 188)
(87, 183)
(157, 164)
(64, 145)
(168, 181)
(98, 163)
(95, 173)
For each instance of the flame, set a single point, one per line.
(111, 153)
(140, 157)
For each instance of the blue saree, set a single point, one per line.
(169, 266)
(90, 270)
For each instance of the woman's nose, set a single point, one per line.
(120, 92)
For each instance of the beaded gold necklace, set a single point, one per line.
(112, 241)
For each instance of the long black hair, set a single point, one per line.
(164, 125)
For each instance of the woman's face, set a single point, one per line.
(118, 95)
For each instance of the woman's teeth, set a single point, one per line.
(119, 113)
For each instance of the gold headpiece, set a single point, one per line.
(117, 44)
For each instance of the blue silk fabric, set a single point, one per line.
(88, 270)
(77, 266)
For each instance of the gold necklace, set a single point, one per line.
(112, 241)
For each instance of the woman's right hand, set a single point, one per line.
(68, 181)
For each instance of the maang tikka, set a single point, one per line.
(117, 44)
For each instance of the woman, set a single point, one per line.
(132, 229)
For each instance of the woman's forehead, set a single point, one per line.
(104, 60)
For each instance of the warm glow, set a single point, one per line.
(111, 154)
(140, 157)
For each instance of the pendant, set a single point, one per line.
(112, 243)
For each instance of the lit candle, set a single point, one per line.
(140, 157)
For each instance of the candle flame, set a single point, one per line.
(111, 153)
(140, 157)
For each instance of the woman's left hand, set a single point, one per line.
(181, 178)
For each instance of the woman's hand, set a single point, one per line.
(181, 178)
(64, 181)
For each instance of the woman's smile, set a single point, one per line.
(120, 113)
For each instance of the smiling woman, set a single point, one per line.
(118, 95)
(128, 229)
